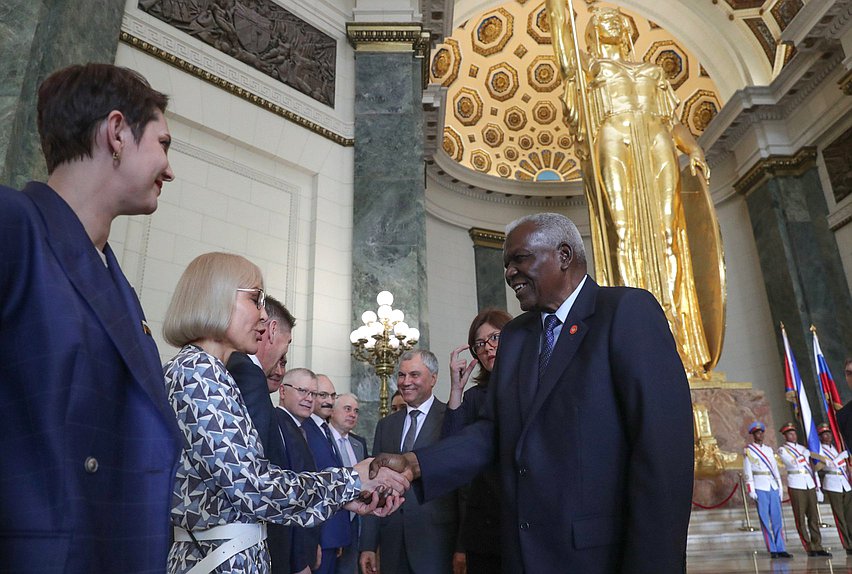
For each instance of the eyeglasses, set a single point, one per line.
(301, 391)
(325, 395)
(491, 340)
(261, 297)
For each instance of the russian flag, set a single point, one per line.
(793, 383)
(828, 390)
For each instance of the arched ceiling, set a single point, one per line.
(503, 115)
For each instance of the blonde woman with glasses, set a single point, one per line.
(225, 490)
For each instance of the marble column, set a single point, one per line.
(389, 218)
(488, 259)
(37, 38)
(801, 264)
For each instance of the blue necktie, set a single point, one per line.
(550, 324)
(331, 443)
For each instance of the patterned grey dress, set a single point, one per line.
(222, 476)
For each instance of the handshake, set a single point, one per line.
(390, 475)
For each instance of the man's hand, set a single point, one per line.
(369, 564)
(406, 464)
(369, 503)
(385, 482)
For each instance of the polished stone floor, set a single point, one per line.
(737, 562)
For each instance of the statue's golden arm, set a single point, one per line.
(685, 142)
(561, 31)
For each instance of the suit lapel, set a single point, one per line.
(395, 423)
(431, 426)
(106, 291)
(528, 366)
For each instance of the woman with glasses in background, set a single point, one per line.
(225, 490)
(480, 528)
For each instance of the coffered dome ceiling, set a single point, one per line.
(503, 114)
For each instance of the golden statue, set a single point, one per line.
(622, 114)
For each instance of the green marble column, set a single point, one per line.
(488, 260)
(801, 264)
(36, 38)
(389, 219)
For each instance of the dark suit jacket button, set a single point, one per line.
(525, 525)
(523, 472)
(91, 465)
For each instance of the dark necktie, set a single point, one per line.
(550, 324)
(408, 443)
(330, 439)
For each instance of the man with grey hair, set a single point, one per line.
(421, 537)
(588, 415)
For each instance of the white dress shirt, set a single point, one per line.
(424, 411)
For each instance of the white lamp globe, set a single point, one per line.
(353, 336)
(384, 298)
(370, 343)
(385, 312)
(368, 317)
(413, 335)
(394, 343)
(397, 316)
(400, 329)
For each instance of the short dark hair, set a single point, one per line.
(74, 100)
(277, 311)
(491, 316)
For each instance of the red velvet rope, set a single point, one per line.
(736, 486)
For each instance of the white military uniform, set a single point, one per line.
(757, 473)
(796, 459)
(763, 479)
(836, 477)
(802, 483)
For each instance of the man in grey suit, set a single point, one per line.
(353, 448)
(419, 538)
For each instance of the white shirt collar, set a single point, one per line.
(424, 408)
(255, 360)
(318, 419)
(565, 308)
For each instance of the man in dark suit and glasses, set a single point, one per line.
(421, 537)
(588, 416)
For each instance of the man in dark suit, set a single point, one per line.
(257, 376)
(334, 532)
(588, 417)
(296, 403)
(352, 448)
(421, 537)
(90, 442)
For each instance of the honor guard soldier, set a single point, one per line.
(804, 488)
(763, 485)
(835, 484)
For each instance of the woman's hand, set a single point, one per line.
(460, 370)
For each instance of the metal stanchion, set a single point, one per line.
(822, 523)
(746, 527)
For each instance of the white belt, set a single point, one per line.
(238, 536)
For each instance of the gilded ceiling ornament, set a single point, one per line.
(784, 12)
(468, 107)
(511, 153)
(480, 160)
(452, 144)
(699, 109)
(504, 170)
(538, 26)
(515, 118)
(672, 59)
(542, 74)
(446, 63)
(525, 142)
(520, 51)
(544, 112)
(502, 81)
(492, 135)
(545, 138)
(493, 32)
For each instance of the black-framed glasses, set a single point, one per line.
(261, 296)
(325, 395)
(493, 339)
(301, 391)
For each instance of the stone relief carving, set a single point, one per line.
(261, 34)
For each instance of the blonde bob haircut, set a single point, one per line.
(205, 296)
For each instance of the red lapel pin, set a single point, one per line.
(572, 330)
